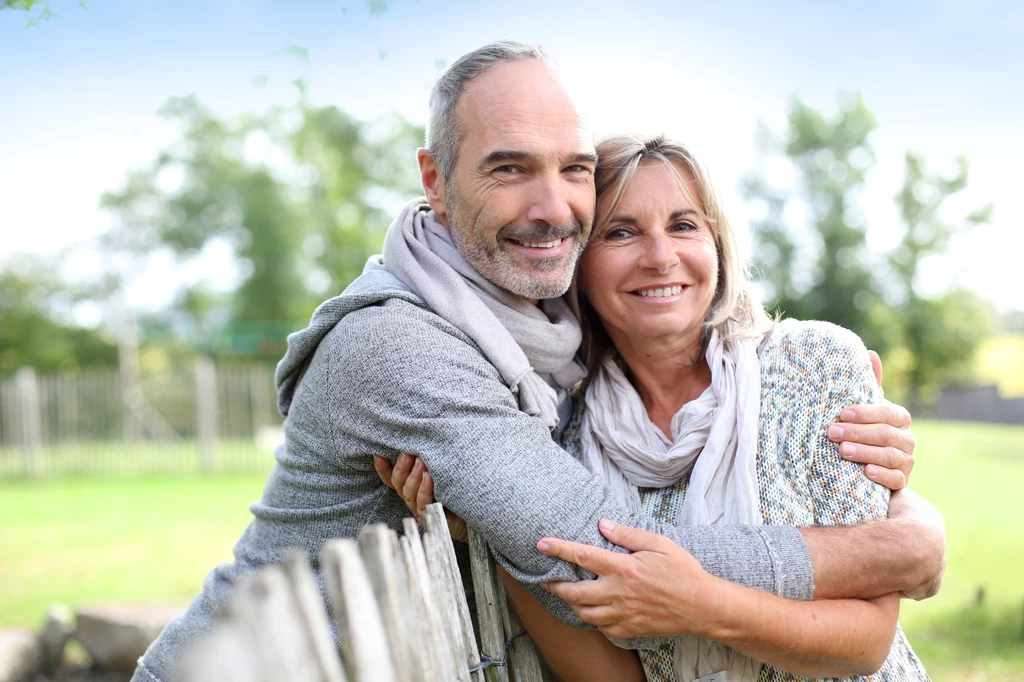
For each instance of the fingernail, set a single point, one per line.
(546, 586)
(543, 546)
(847, 450)
(606, 525)
(848, 415)
(835, 432)
(870, 470)
(401, 458)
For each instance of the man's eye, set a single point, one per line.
(507, 169)
(577, 168)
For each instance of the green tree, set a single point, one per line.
(298, 192)
(30, 336)
(824, 270)
(821, 270)
(941, 333)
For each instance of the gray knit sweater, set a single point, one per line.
(377, 373)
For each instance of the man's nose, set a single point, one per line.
(550, 205)
(658, 253)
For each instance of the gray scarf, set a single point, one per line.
(533, 348)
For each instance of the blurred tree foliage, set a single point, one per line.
(44, 13)
(821, 272)
(300, 193)
(29, 334)
(942, 333)
(821, 268)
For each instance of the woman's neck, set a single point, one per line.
(666, 373)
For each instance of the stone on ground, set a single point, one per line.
(57, 629)
(21, 655)
(116, 636)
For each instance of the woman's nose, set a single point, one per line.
(658, 253)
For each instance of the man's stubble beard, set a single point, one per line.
(497, 265)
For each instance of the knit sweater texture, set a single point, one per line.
(810, 371)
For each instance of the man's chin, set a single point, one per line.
(537, 284)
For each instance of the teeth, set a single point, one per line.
(541, 245)
(661, 293)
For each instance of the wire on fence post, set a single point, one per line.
(486, 661)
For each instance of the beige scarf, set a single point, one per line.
(532, 347)
(715, 436)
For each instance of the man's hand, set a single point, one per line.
(905, 553)
(877, 436)
(657, 591)
(927, 531)
(413, 483)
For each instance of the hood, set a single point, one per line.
(372, 287)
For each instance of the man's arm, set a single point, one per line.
(906, 553)
(405, 382)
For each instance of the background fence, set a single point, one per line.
(208, 418)
(200, 419)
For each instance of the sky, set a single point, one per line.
(79, 95)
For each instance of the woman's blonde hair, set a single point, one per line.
(619, 156)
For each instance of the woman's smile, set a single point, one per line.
(659, 294)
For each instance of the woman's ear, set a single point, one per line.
(433, 184)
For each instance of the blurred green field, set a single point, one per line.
(154, 538)
(105, 459)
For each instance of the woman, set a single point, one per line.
(699, 410)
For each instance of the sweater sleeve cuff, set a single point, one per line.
(794, 574)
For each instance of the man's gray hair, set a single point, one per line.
(443, 131)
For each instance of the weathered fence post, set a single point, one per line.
(526, 664)
(275, 628)
(492, 636)
(400, 611)
(387, 572)
(445, 569)
(260, 391)
(364, 645)
(31, 427)
(206, 411)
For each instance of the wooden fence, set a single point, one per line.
(205, 418)
(399, 610)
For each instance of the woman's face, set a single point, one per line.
(652, 270)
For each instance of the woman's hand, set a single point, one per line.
(877, 436)
(414, 484)
(658, 591)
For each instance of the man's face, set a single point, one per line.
(520, 202)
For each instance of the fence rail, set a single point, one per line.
(399, 610)
(206, 418)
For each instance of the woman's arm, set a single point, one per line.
(661, 591)
(824, 638)
(575, 655)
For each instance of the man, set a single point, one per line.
(443, 351)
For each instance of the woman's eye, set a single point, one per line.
(617, 233)
(685, 227)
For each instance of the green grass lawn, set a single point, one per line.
(975, 475)
(78, 540)
(120, 539)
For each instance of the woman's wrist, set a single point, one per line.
(729, 611)
(714, 612)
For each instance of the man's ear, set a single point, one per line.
(433, 184)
